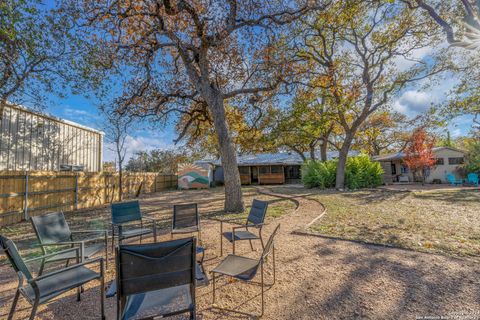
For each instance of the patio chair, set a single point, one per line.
(186, 220)
(472, 178)
(245, 269)
(454, 181)
(52, 230)
(125, 213)
(255, 219)
(41, 289)
(156, 280)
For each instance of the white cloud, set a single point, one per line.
(413, 101)
(134, 145)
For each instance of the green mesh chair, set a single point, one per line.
(255, 219)
(52, 230)
(41, 289)
(156, 280)
(128, 213)
(245, 269)
(186, 220)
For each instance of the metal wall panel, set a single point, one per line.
(35, 142)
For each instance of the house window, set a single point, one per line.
(244, 170)
(394, 168)
(403, 169)
(264, 170)
(458, 160)
(439, 161)
(276, 169)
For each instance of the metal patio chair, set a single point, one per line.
(245, 269)
(156, 280)
(125, 213)
(41, 289)
(255, 219)
(52, 230)
(186, 220)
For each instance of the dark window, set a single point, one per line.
(244, 170)
(455, 160)
(264, 170)
(276, 169)
(394, 168)
(439, 161)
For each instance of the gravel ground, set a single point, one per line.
(317, 278)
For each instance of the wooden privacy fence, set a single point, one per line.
(24, 194)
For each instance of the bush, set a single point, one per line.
(360, 172)
(317, 174)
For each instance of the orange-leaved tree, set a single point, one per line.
(419, 157)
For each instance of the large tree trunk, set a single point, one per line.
(233, 187)
(312, 152)
(323, 150)
(342, 162)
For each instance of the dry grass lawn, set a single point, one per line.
(442, 221)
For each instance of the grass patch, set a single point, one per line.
(432, 221)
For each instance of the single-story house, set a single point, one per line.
(264, 168)
(448, 161)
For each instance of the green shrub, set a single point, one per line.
(317, 174)
(360, 172)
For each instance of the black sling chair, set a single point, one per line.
(186, 220)
(41, 289)
(255, 219)
(52, 230)
(125, 213)
(245, 269)
(156, 280)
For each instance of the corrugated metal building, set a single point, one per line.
(33, 141)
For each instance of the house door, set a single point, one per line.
(254, 174)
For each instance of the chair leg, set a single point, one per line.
(79, 291)
(221, 238)
(102, 292)
(213, 281)
(263, 301)
(14, 305)
(273, 253)
(34, 310)
(106, 251)
(233, 242)
(42, 266)
(113, 240)
(251, 245)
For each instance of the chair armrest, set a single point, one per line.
(249, 225)
(89, 231)
(59, 243)
(53, 254)
(90, 261)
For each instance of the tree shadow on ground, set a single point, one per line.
(373, 284)
(458, 196)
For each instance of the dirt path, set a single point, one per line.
(320, 278)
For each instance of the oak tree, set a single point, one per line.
(356, 45)
(174, 54)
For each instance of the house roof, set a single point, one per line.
(401, 155)
(280, 158)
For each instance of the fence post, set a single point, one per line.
(76, 191)
(25, 204)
